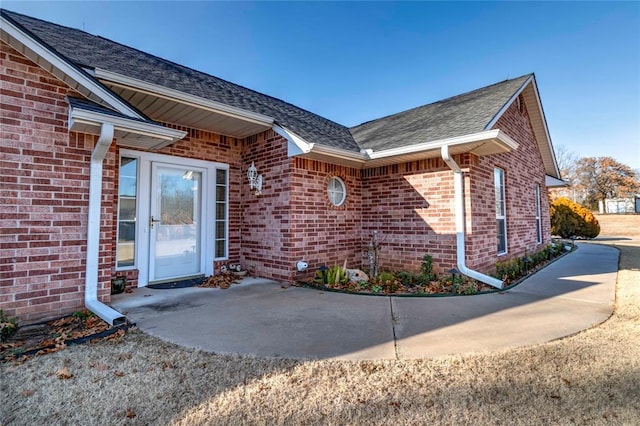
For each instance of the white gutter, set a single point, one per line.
(496, 136)
(460, 218)
(91, 301)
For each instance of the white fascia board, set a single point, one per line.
(67, 68)
(545, 127)
(508, 103)
(182, 97)
(340, 153)
(77, 115)
(488, 136)
(297, 145)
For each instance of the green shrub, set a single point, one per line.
(569, 219)
(8, 326)
(426, 269)
(332, 276)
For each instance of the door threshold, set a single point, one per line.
(182, 282)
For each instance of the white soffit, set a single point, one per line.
(130, 133)
(173, 106)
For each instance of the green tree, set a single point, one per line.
(603, 177)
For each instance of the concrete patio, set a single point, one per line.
(259, 317)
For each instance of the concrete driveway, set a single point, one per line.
(264, 318)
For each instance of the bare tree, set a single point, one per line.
(567, 163)
(604, 177)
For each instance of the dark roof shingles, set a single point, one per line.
(91, 51)
(460, 115)
(456, 116)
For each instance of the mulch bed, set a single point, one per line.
(51, 336)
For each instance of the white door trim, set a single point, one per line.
(144, 202)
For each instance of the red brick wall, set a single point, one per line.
(411, 207)
(266, 236)
(44, 196)
(324, 234)
(523, 169)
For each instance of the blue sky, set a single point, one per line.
(353, 62)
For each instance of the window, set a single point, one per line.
(127, 202)
(538, 216)
(501, 210)
(337, 191)
(222, 222)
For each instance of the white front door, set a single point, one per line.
(175, 222)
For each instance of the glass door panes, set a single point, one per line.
(127, 202)
(222, 220)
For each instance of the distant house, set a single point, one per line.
(116, 162)
(619, 205)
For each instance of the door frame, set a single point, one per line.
(143, 240)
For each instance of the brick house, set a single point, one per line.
(117, 162)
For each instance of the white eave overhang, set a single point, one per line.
(164, 104)
(552, 182)
(480, 144)
(129, 133)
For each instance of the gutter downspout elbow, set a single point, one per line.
(91, 301)
(460, 219)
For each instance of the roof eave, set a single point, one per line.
(30, 46)
(480, 144)
(129, 133)
(538, 121)
(183, 97)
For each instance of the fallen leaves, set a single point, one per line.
(46, 338)
(64, 373)
(222, 280)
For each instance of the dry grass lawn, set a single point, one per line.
(589, 378)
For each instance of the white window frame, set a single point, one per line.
(136, 242)
(332, 191)
(145, 159)
(538, 215)
(501, 206)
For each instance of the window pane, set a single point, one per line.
(220, 229)
(221, 211)
(221, 177)
(126, 232)
(502, 235)
(220, 248)
(336, 191)
(127, 208)
(221, 193)
(127, 203)
(128, 177)
(501, 210)
(499, 190)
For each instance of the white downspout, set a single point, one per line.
(91, 301)
(458, 183)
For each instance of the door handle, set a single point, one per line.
(152, 221)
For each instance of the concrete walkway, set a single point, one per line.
(264, 318)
